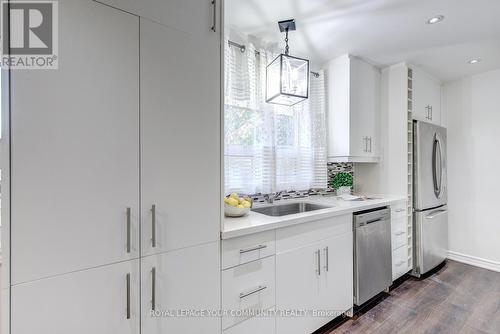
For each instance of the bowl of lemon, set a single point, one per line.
(235, 206)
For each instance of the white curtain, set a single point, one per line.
(268, 147)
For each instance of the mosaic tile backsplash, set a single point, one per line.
(333, 169)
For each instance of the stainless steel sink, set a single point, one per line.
(288, 209)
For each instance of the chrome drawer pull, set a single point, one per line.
(128, 230)
(400, 233)
(153, 225)
(400, 210)
(153, 288)
(258, 289)
(319, 262)
(248, 250)
(128, 295)
(326, 259)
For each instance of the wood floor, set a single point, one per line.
(456, 299)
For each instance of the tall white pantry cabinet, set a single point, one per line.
(105, 169)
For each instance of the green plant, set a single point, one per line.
(342, 179)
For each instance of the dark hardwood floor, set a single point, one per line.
(458, 298)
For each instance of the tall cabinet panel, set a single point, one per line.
(186, 279)
(102, 300)
(75, 148)
(180, 141)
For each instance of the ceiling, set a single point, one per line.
(383, 32)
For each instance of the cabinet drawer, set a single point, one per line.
(250, 286)
(248, 248)
(399, 262)
(398, 210)
(261, 325)
(398, 228)
(297, 236)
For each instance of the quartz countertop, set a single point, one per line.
(256, 222)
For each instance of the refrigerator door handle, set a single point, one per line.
(437, 166)
(435, 213)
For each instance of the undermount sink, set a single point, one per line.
(288, 209)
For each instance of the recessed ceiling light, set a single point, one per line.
(474, 61)
(435, 19)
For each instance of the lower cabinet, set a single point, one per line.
(316, 279)
(176, 286)
(103, 300)
(256, 325)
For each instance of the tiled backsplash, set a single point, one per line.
(333, 168)
(337, 167)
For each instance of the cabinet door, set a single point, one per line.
(185, 15)
(96, 301)
(187, 279)
(298, 287)
(75, 148)
(337, 275)
(180, 138)
(365, 108)
(426, 97)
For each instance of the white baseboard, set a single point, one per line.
(474, 261)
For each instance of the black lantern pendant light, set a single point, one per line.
(287, 77)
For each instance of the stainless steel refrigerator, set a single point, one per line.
(430, 214)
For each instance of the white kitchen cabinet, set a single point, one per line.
(260, 325)
(177, 281)
(191, 16)
(426, 97)
(248, 287)
(180, 141)
(75, 154)
(316, 276)
(98, 301)
(353, 110)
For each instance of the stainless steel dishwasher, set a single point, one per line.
(372, 253)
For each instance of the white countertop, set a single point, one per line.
(256, 222)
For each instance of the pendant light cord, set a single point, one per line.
(286, 41)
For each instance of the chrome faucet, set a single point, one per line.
(271, 197)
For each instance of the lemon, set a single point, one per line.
(240, 206)
(247, 204)
(241, 200)
(226, 200)
(234, 195)
(232, 201)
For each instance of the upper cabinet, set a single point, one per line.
(353, 110)
(426, 92)
(191, 16)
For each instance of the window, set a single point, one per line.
(270, 147)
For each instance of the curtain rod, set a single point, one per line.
(243, 48)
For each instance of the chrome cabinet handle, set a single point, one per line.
(400, 210)
(153, 225)
(370, 144)
(251, 292)
(128, 295)
(319, 262)
(431, 113)
(214, 22)
(128, 230)
(248, 250)
(326, 259)
(400, 233)
(153, 288)
(399, 264)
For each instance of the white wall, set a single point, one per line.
(471, 111)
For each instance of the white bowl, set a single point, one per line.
(231, 211)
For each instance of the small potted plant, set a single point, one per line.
(342, 183)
